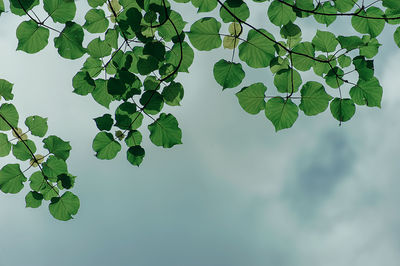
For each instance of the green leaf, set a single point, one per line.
(367, 92)
(27, 5)
(342, 109)
(135, 155)
(37, 125)
(65, 181)
(165, 131)
(83, 83)
(105, 146)
(282, 113)
(204, 34)
(5, 90)
(54, 167)
(344, 5)
(258, 51)
(372, 27)
(173, 94)
(251, 98)
(69, 42)
(396, 36)
(33, 199)
(98, 48)
(60, 10)
(228, 74)
(152, 101)
(204, 5)
(11, 179)
(287, 80)
(9, 113)
(100, 93)
(393, 4)
(62, 208)
(301, 62)
(21, 152)
(238, 7)
(5, 145)
(325, 41)
(104, 122)
(174, 55)
(57, 146)
(281, 14)
(134, 138)
(314, 99)
(334, 77)
(31, 37)
(96, 21)
(96, 3)
(325, 8)
(350, 42)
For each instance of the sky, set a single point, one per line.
(234, 193)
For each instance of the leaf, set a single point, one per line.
(37, 125)
(33, 199)
(342, 109)
(314, 99)
(204, 34)
(135, 155)
(21, 152)
(83, 83)
(98, 48)
(31, 37)
(325, 41)
(60, 10)
(57, 146)
(396, 36)
(62, 208)
(96, 21)
(20, 7)
(134, 138)
(372, 27)
(5, 90)
(173, 93)
(100, 93)
(367, 92)
(165, 131)
(105, 146)
(280, 14)
(10, 114)
(301, 62)
(11, 179)
(228, 74)
(350, 42)
(258, 51)
(104, 122)
(53, 167)
(174, 55)
(152, 102)
(204, 5)
(69, 42)
(5, 145)
(287, 80)
(251, 98)
(282, 113)
(238, 7)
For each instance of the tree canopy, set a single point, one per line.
(134, 51)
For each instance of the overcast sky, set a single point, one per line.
(235, 193)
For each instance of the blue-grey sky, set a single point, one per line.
(235, 193)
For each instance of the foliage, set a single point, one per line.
(136, 49)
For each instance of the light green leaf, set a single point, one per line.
(37, 125)
(282, 113)
(57, 146)
(165, 131)
(258, 51)
(10, 114)
(96, 21)
(5, 145)
(31, 37)
(325, 41)
(33, 199)
(62, 208)
(372, 27)
(228, 74)
(5, 90)
(251, 98)
(21, 152)
(314, 99)
(367, 92)
(60, 10)
(342, 109)
(11, 179)
(105, 146)
(53, 167)
(204, 34)
(69, 42)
